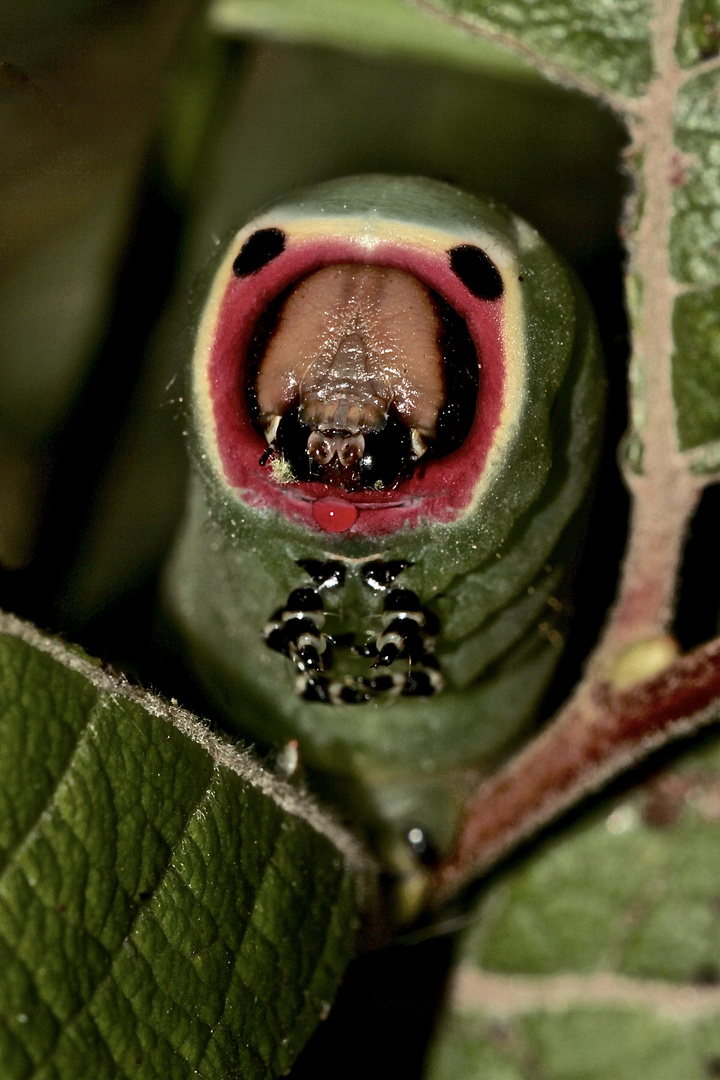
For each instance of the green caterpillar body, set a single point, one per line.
(397, 402)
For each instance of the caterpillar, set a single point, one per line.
(396, 408)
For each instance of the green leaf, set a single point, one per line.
(608, 44)
(696, 199)
(167, 908)
(599, 955)
(371, 27)
(695, 259)
(699, 32)
(696, 371)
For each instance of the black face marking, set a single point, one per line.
(296, 631)
(258, 250)
(477, 271)
(407, 634)
(292, 437)
(326, 575)
(461, 368)
(387, 455)
(380, 575)
(408, 631)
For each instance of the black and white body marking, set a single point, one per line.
(296, 631)
(408, 632)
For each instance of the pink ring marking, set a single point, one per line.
(439, 489)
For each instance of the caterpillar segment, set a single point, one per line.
(397, 404)
(408, 633)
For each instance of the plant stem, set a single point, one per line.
(602, 729)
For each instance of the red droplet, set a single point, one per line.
(334, 515)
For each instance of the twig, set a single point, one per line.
(604, 729)
(597, 735)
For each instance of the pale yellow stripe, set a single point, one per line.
(372, 230)
(507, 996)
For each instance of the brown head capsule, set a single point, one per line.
(350, 383)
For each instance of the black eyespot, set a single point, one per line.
(387, 454)
(477, 271)
(292, 437)
(258, 250)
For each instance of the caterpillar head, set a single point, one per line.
(397, 407)
(349, 380)
(361, 356)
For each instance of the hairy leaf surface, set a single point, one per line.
(599, 955)
(167, 909)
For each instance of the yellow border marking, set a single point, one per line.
(370, 232)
